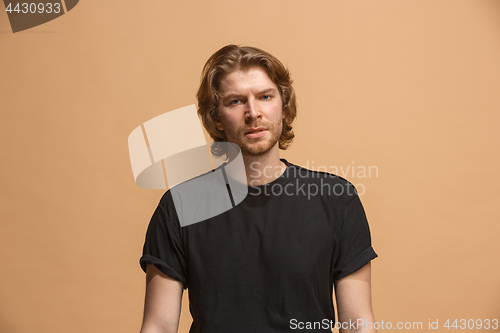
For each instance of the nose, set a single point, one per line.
(252, 110)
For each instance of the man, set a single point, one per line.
(271, 263)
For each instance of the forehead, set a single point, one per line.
(248, 79)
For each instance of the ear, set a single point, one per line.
(219, 125)
(216, 120)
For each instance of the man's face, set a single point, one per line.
(251, 111)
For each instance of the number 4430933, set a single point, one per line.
(472, 324)
(34, 8)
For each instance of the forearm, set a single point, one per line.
(155, 328)
(357, 324)
(160, 320)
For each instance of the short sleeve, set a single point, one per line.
(355, 248)
(163, 247)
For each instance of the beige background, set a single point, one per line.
(408, 86)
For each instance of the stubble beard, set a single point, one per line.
(255, 147)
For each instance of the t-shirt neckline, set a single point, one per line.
(265, 188)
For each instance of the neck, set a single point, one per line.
(263, 169)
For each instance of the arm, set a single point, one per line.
(162, 306)
(354, 301)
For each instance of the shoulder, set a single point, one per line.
(201, 182)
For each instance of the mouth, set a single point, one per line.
(257, 132)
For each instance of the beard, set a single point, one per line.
(260, 146)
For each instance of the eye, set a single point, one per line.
(235, 101)
(266, 97)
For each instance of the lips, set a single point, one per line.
(254, 130)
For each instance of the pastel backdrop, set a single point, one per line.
(408, 88)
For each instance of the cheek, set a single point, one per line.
(229, 123)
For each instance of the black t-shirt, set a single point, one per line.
(269, 262)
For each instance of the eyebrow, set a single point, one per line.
(235, 96)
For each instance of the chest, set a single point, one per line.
(264, 236)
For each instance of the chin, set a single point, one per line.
(253, 150)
